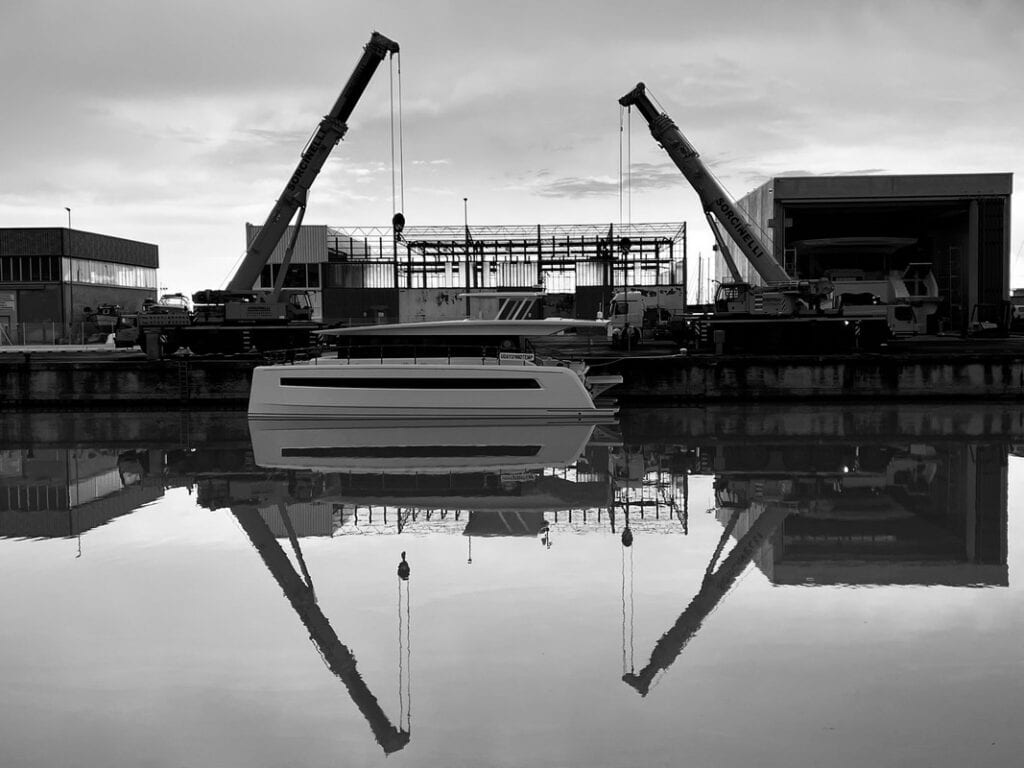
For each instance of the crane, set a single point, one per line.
(781, 294)
(240, 317)
(716, 201)
(331, 130)
(803, 310)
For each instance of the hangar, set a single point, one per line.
(957, 223)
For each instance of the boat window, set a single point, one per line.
(409, 382)
(409, 451)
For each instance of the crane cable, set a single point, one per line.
(627, 595)
(621, 113)
(625, 116)
(628, 128)
(400, 195)
(401, 138)
(404, 658)
(629, 164)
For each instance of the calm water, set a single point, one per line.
(836, 586)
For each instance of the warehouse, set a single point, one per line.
(54, 280)
(957, 223)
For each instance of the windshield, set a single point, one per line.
(300, 300)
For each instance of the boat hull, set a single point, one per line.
(444, 446)
(420, 390)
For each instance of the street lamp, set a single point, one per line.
(71, 281)
(465, 222)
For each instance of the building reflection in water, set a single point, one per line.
(48, 492)
(858, 496)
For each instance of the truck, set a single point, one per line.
(649, 312)
(784, 314)
(242, 318)
(1017, 309)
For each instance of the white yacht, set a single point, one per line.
(417, 371)
(427, 388)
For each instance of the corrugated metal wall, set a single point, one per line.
(310, 248)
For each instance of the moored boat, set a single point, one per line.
(422, 371)
(422, 388)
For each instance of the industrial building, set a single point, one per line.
(373, 274)
(957, 223)
(52, 281)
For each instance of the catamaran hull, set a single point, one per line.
(370, 389)
(445, 446)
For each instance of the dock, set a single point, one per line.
(927, 369)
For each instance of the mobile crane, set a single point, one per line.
(240, 317)
(749, 317)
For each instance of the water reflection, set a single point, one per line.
(854, 501)
(848, 497)
(299, 591)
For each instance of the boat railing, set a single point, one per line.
(488, 354)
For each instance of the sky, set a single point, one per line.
(175, 123)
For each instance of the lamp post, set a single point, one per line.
(465, 223)
(71, 282)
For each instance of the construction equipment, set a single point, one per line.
(654, 311)
(241, 318)
(793, 314)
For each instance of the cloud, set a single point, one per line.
(579, 187)
(642, 177)
(755, 177)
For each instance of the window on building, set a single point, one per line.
(91, 272)
(29, 269)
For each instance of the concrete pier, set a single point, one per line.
(938, 375)
(37, 379)
(72, 382)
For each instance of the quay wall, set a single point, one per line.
(932, 421)
(28, 381)
(724, 423)
(112, 427)
(745, 379)
(70, 384)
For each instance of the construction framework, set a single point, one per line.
(558, 257)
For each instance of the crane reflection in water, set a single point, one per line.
(860, 499)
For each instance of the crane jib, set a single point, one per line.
(322, 137)
(739, 225)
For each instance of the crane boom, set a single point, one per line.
(712, 195)
(336, 654)
(712, 589)
(330, 131)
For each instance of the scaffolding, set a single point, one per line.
(556, 257)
